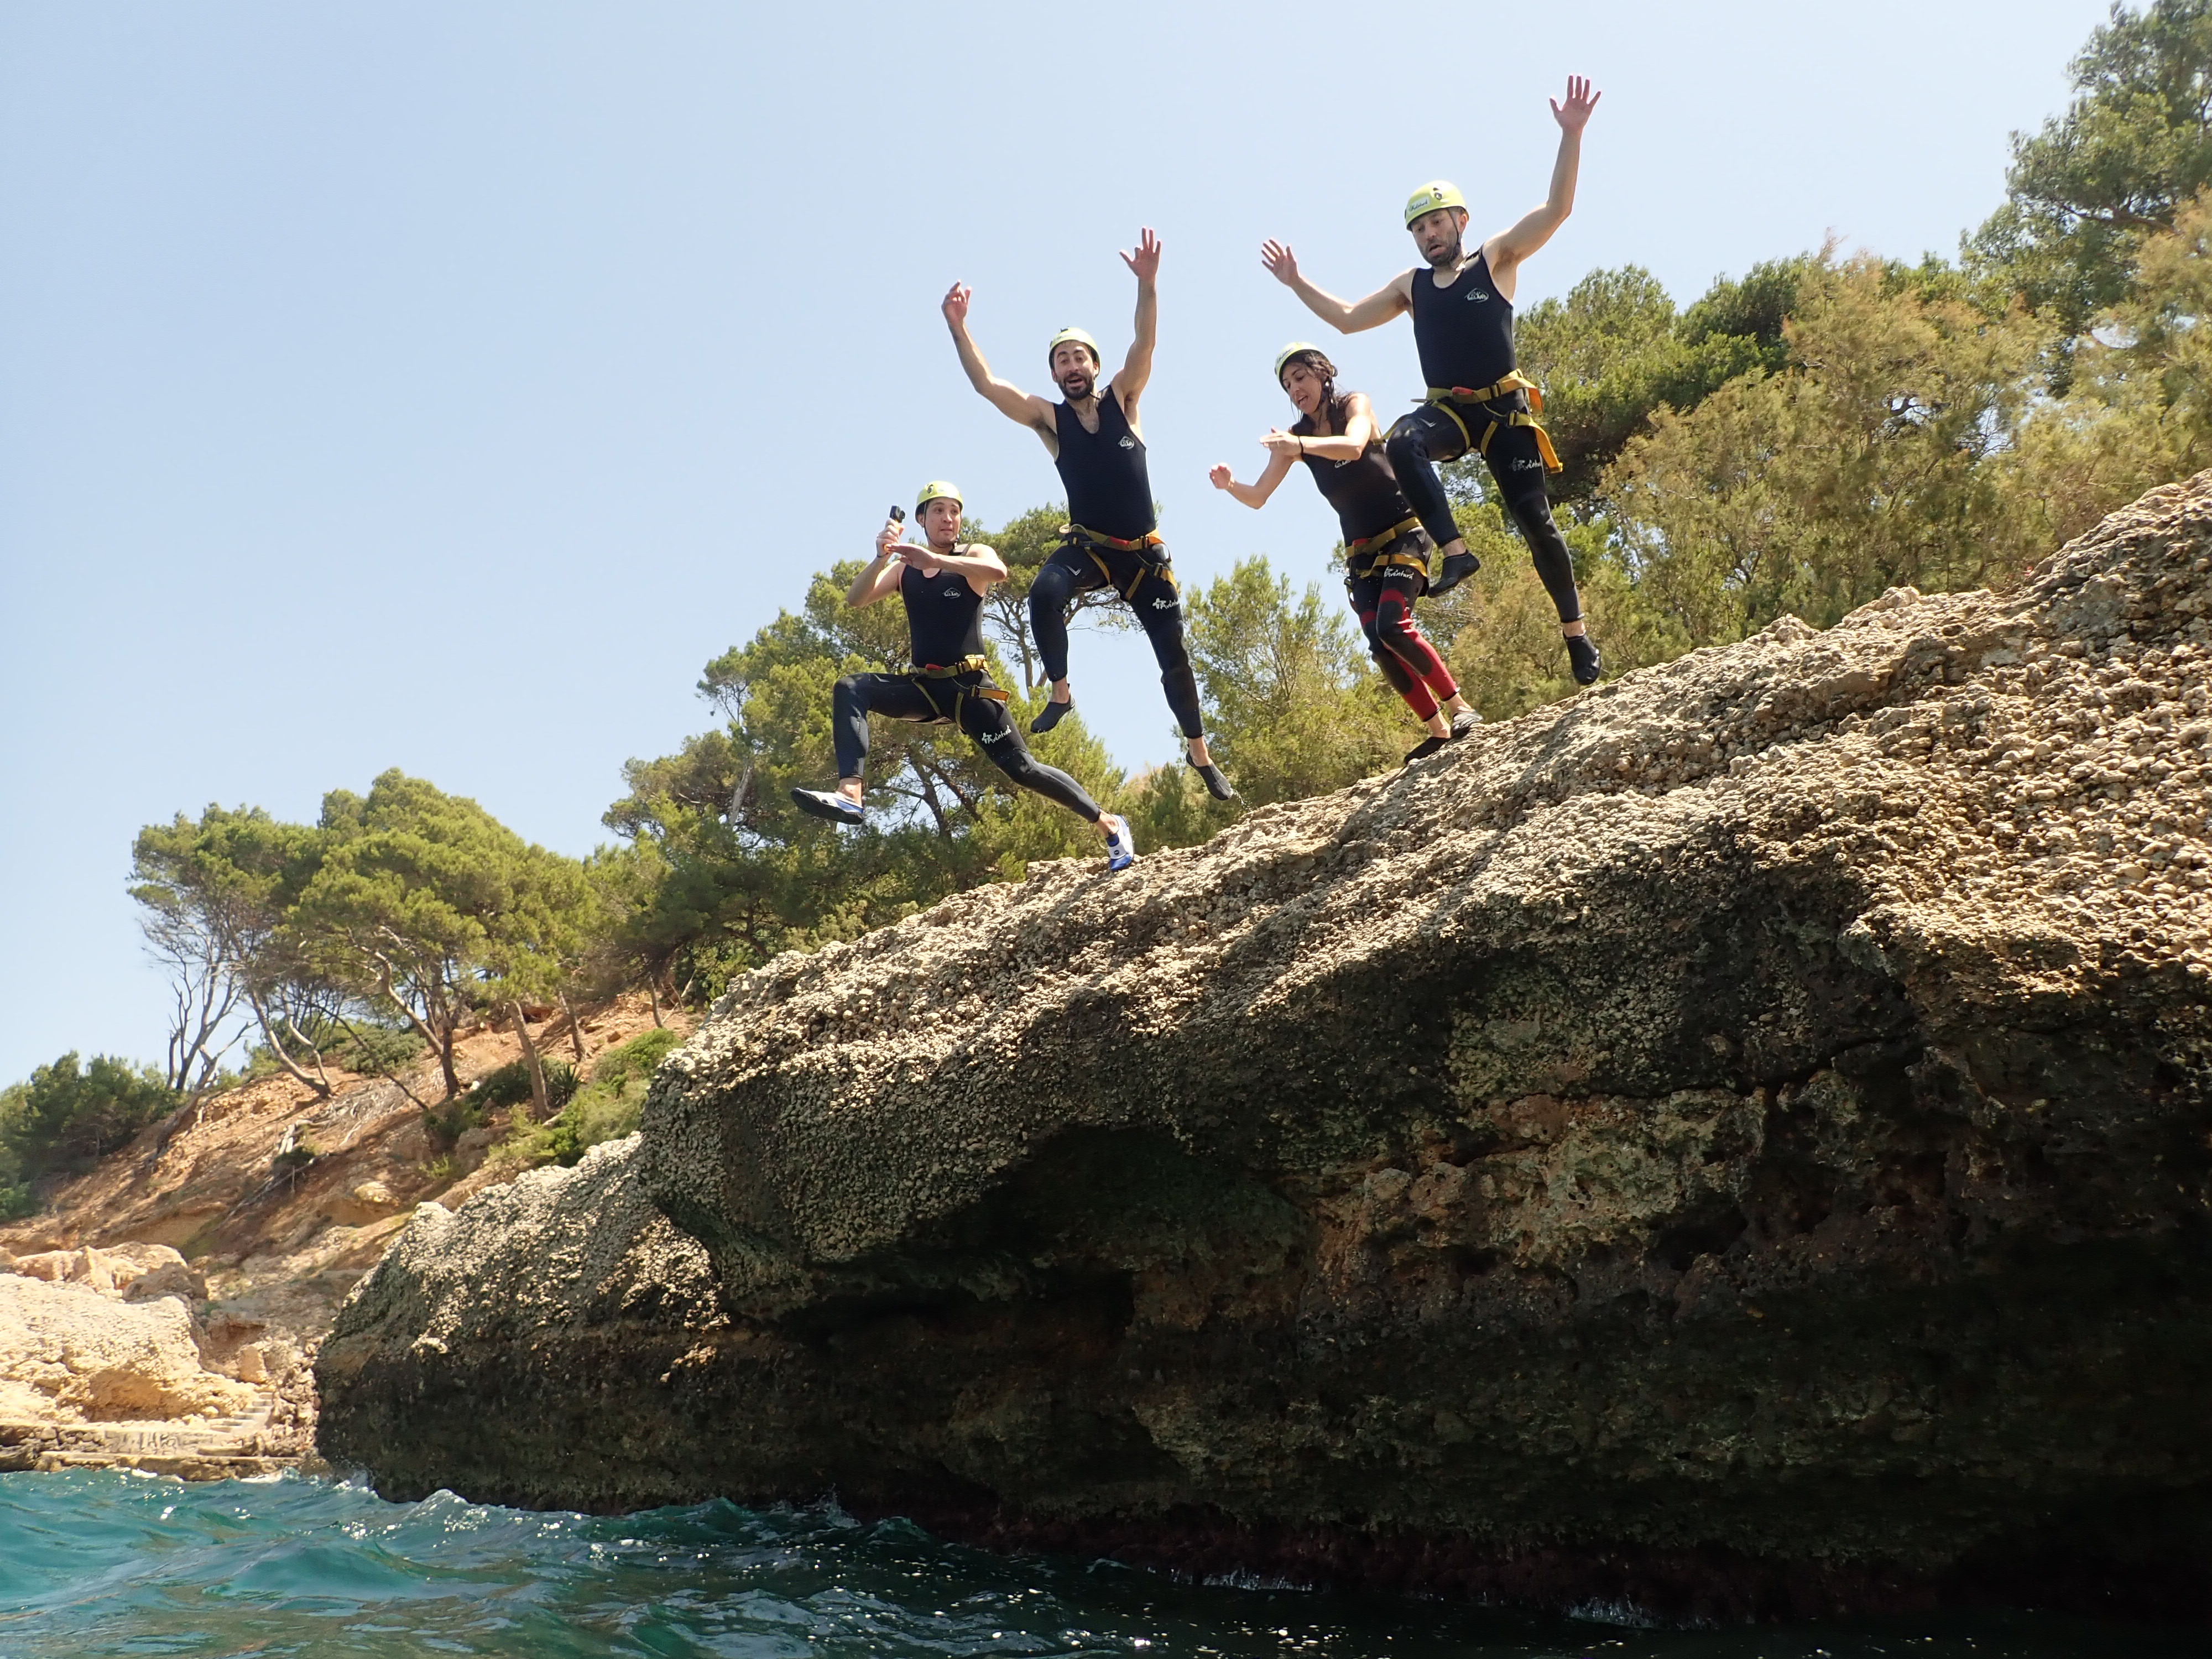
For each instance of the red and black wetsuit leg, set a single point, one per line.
(1384, 604)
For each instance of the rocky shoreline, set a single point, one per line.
(109, 1359)
(1734, 1142)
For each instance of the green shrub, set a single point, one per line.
(509, 1086)
(371, 1048)
(66, 1116)
(639, 1058)
(450, 1120)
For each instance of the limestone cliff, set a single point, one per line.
(1736, 1139)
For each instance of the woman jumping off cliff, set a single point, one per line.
(1386, 551)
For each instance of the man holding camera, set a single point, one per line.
(942, 583)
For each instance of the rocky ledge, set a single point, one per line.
(109, 1359)
(1735, 1142)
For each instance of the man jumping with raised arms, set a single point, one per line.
(1112, 538)
(1477, 398)
(943, 585)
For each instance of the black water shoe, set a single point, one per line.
(1051, 716)
(1424, 748)
(1582, 657)
(1216, 780)
(825, 803)
(1458, 568)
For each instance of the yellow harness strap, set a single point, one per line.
(1516, 382)
(1355, 551)
(1099, 539)
(930, 671)
(1444, 397)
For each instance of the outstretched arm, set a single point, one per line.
(1255, 493)
(1506, 250)
(1009, 399)
(1345, 316)
(1137, 368)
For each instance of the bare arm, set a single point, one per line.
(881, 574)
(1505, 251)
(1009, 399)
(1256, 493)
(1346, 445)
(1137, 368)
(1345, 316)
(978, 563)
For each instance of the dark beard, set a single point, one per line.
(1082, 388)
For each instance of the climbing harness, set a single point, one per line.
(929, 671)
(1356, 551)
(1444, 396)
(1074, 533)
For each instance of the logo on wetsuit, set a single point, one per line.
(1474, 293)
(953, 592)
(989, 737)
(1128, 443)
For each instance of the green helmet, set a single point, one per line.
(1437, 193)
(1079, 338)
(1284, 356)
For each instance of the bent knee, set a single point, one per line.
(1053, 586)
(1405, 441)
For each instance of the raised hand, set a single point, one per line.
(1282, 264)
(887, 537)
(1145, 261)
(956, 305)
(1574, 115)
(1220, 475)
(1279, 442)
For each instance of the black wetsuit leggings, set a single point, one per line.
(1428, 435)
(917, 697)
(1153, 598)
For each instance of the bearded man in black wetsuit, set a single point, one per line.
(943, 585)
(1112, 538)
(1477, 399)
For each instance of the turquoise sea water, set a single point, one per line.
(96, 1563)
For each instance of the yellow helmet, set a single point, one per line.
(1284, 356)
(936, 489)
(1079, 338)
(1437, 193)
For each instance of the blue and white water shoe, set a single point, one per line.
(1121, 845)
(826, 804)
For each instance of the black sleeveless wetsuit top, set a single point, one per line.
(1103, 472)
(943, 617)
(1464, 333)
(1365, 492)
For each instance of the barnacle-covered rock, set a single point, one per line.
(1735, 1140)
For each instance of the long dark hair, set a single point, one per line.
(1332, 404)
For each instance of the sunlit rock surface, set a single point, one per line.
(1734, 1142)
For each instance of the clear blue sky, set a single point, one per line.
(441, 385)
